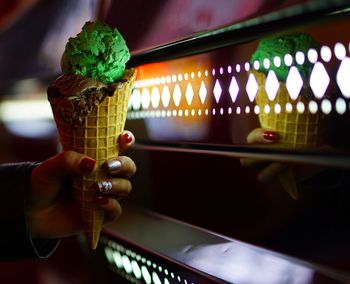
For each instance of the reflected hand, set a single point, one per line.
(268, 170)
(54, 212)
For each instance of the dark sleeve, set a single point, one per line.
(15, 242)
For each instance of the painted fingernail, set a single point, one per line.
(87, 165)
(113, 166)
(101, 200)
(270, 135)
(127, 138)
(104, 186)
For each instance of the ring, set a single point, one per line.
(104, 186)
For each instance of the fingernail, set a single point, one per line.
(101, 200)
(87, 165)
(127, 138)
(270, 135)
(103, 186)
(114, 166)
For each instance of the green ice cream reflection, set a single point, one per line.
(280, 46)
(98, 52)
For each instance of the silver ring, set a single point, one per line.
(104, 186)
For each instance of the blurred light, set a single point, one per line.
(189, 94)
(326, 106)
(202, 92)
(117, 259)
(213, 72)
(340, 106)
(256, 65)
(206, 73)
(177, 95)
(186, 76)
(277, 61)
(238, 68)
(192, 75)
(136, 99)
(146, 275)
(289, 107)
(319, 80)
(126, 264)
(300, 107)
(221, 70)
(326, 53)
(165, 96)
(339, 51)
(277, 108)
(229, 69)
(288, 59)
(267, 109)
(271, 85)
(25, 110)
(229, 110)
(266, 63)
(247, 66)
(238, 110)
(294, 83)
(233, 89)
(199, 74)
(155, 278)
(312, 55)
(173, 78)
(179, 77)
(168, 79)
(136, 269)
(109, 254)
(217, 90)
(166, 281)
(145, 98)
(155, 97)
(313, 107)
(252, 87)
(300, 57)
(342, 77)
(256, 109)
(247, 109)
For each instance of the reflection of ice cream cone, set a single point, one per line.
(296, 129)
(96, 135)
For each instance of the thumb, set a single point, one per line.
(49, 177)
(67, 163)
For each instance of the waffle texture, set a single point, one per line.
(98, 139)
(296, 130)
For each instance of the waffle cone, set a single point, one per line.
(296, 130)
(97, 138)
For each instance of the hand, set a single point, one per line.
(54, 212)
(268, 171)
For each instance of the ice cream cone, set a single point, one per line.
(295, 129)
(96, 137)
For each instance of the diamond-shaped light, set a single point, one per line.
(165, 96)
(294, 82)
(155, 97)
(126, 264)
(202, 92)
(177, 95)
(136, 269)
(146, 275)
(118, 259)
(136, 99)
(343, 78)
(271, 85)
(319, 80)
(155, 278)
(145, 98)
(252, 87)
(189, 94)
(217, 90)
(233, 89)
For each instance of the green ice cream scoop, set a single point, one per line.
(98, 52)
(281, 45)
